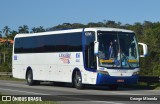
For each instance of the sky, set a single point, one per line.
(49, 13)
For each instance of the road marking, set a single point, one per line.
(24, 91)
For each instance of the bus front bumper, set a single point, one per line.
(106, 79)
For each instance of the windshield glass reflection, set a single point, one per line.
(118, 50)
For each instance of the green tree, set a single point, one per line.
(0, 34)
(6, 31)
(77, 25)
(38, 29)
(147, 24)
(23, 29)
(41, 29)
(110, 23)
(92, 24)
(13, 34)
(34, 30)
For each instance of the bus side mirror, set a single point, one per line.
(145, 50)
(96, 48)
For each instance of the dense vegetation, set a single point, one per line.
(147, 32)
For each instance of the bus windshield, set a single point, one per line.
(118, 50)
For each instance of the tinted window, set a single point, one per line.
(27, 44)
(70, 42)
(18, 45)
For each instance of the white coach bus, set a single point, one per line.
(105, 56)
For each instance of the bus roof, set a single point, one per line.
(73, 30)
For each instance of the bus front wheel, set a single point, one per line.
(78, 80)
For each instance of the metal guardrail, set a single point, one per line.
(6, 74)
(149, 79)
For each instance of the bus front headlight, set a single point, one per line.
(136, 73)
(103, 72)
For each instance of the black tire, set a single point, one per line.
(78, 80)
(29, 78)
(113, 87)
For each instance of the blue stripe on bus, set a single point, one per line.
(106, 79)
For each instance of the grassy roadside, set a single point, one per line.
(145, 86)
(10, 78)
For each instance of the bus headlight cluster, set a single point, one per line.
(136, 73)
(103, 72)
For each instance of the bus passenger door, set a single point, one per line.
(90, 58)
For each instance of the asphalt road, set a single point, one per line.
(89, 95)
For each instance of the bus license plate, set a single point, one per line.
(119, 80)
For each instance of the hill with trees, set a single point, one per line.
(147, 32)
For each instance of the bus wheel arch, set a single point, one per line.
(77, 79)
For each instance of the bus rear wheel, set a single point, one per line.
(78, 80)
(29, 78)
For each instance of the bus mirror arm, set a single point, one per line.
(96, 48)
(145, 49)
